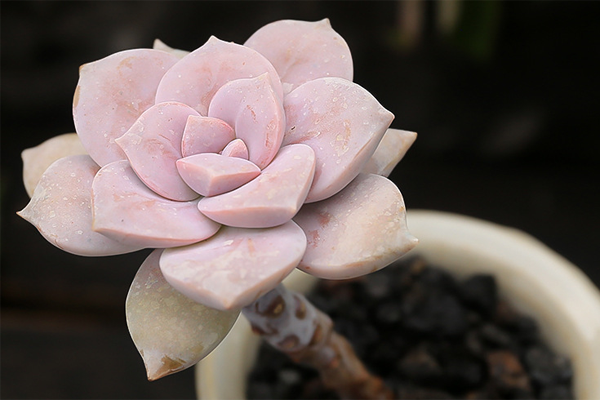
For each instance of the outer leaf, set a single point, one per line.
(236, 266)
(272, 198)
(342, 122)
(302, 51)
(153, 145)
(37, 159)
(110, 96)
(391, 150)
(61, 209)
(171, 331)
(126, 210)
(358, 231)
(196, 78)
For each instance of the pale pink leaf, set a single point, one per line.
(37, 159)
(302, 51)
(60, 209)
(171, 331)
(205, 135)
(126, 210)
(236, 148)
(391, 150)
(358, 231)
(153, 146)
(110, 96)
(272, 198)
(211, 174)
(196, 78)
(236, 266)
(255, 112)
(342, 122)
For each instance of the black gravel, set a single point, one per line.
(428, 336)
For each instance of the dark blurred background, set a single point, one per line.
(504, 96)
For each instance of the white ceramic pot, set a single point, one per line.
(536, 281)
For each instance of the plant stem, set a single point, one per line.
(294, 326)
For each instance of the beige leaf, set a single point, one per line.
(170, 331)
(36, 160)
(391, 150)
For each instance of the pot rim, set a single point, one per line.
(536, 280)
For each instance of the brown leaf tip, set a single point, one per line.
(168, 367)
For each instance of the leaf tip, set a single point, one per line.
(324, 22)
(156, 369)
(412, 242)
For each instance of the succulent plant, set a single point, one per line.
(237, 163)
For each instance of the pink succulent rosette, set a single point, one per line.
(238, 163)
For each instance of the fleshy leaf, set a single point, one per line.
(358, 231)
(271, 199)
(60, 209)
(160, 45)
(211, 174)
(255, 112)
(37, 159)
(153, 146)
(302, 51)
(205, 135)
(126, 210)
(236, 148)
(391, 150)
(171, 331)
(110, 96)
(342, 122)
(236, 266)
(196, 78)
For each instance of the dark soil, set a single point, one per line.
(428, 336)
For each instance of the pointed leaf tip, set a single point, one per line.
(168, 366)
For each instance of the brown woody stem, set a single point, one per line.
(293, 325)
